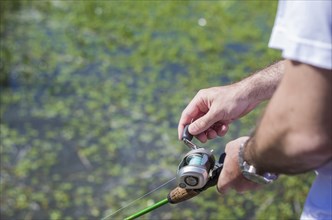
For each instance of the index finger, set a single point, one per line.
(190, 113)
(185, 119)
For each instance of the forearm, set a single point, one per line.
(261, 85)
(294, 134)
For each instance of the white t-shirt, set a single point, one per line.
(303, 31)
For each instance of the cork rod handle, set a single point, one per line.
(179, 195)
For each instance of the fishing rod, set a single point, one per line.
(197, 172)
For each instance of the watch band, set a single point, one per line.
(249, 171)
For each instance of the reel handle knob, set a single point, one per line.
(186, 135)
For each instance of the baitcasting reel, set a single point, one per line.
(196, 167)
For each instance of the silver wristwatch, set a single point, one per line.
(249, 171)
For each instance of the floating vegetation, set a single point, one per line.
(91, 93)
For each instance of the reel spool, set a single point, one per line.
(194, 169)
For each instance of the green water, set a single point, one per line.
(91, 93)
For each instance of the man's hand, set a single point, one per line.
(213, 109)
(231, 176)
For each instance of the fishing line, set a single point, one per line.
(164, 184)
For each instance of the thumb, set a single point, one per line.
(203, 123)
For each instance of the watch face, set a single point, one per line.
(247, 175)
(255, 178)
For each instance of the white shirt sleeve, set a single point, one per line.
(303, 31)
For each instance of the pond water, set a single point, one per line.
(91, 93)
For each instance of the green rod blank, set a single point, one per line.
(148, 209)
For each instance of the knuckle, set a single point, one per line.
(220, 189)
(195, 125)
(201, 91)
(185, 113)
(228, 145)
(202, 124)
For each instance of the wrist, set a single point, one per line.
(248, 153)
(249, 171)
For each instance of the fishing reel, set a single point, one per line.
(196, 167)
(197, 172)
